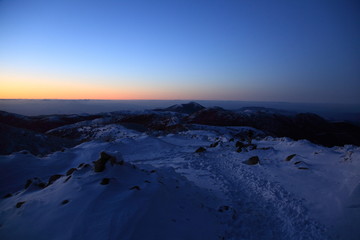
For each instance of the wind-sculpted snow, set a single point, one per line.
(121, 202)
(126, 184)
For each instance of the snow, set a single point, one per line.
(183, 194)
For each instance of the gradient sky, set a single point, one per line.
(295, 51)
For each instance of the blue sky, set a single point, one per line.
(296, 51)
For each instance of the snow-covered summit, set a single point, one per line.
(147, 187)
(168, 175)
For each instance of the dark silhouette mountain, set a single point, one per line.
(298, 126)
(187, 108)
(13, 139)
(42, 123)
(154, 121)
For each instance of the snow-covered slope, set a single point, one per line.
(164, 187)
(121, 202)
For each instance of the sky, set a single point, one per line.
(281, 50)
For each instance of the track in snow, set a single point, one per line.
(258, 208)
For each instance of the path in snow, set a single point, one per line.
(259, 208)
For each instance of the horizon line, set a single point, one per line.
(191, 100)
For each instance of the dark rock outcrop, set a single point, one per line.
(288, 158)
(105, 181)
(99, 165)
(252, 160)
(215, 144)
(19, 204)
(70, 171)
(53, 178)
(239, 144)
(200, 149)
(135, 188)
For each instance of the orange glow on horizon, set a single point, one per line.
(34, 87)
(38, 86)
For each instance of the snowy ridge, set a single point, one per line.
(197, 183)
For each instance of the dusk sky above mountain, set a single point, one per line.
(291, 51)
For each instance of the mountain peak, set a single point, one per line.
(188, 108)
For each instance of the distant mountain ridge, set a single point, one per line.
(33, 133)
(187, 108)
(14, 139)
(280, 123)
(42, 123)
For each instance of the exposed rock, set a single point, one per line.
(7, 195)
(200, 149)
(288, 158)
(239, 144)
(265, 148)
(34, 182)
(223, 208)
(28, 183)
(86, 166)
(135, 188)
(215, 144)
(67, 179)
(70, 171)
(19, 204)
(249, 136)
(53, 178)
(252, 160)
(250, 147)
(108, 157)
(99, 165)
(105, 181)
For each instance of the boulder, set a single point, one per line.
(99, 165)
(200, 149)
(252, 160)
(288, 158)
(70, 171)
(53, 178)
(19, 204)
(239, 144)
(215, 144)
(105, 181)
